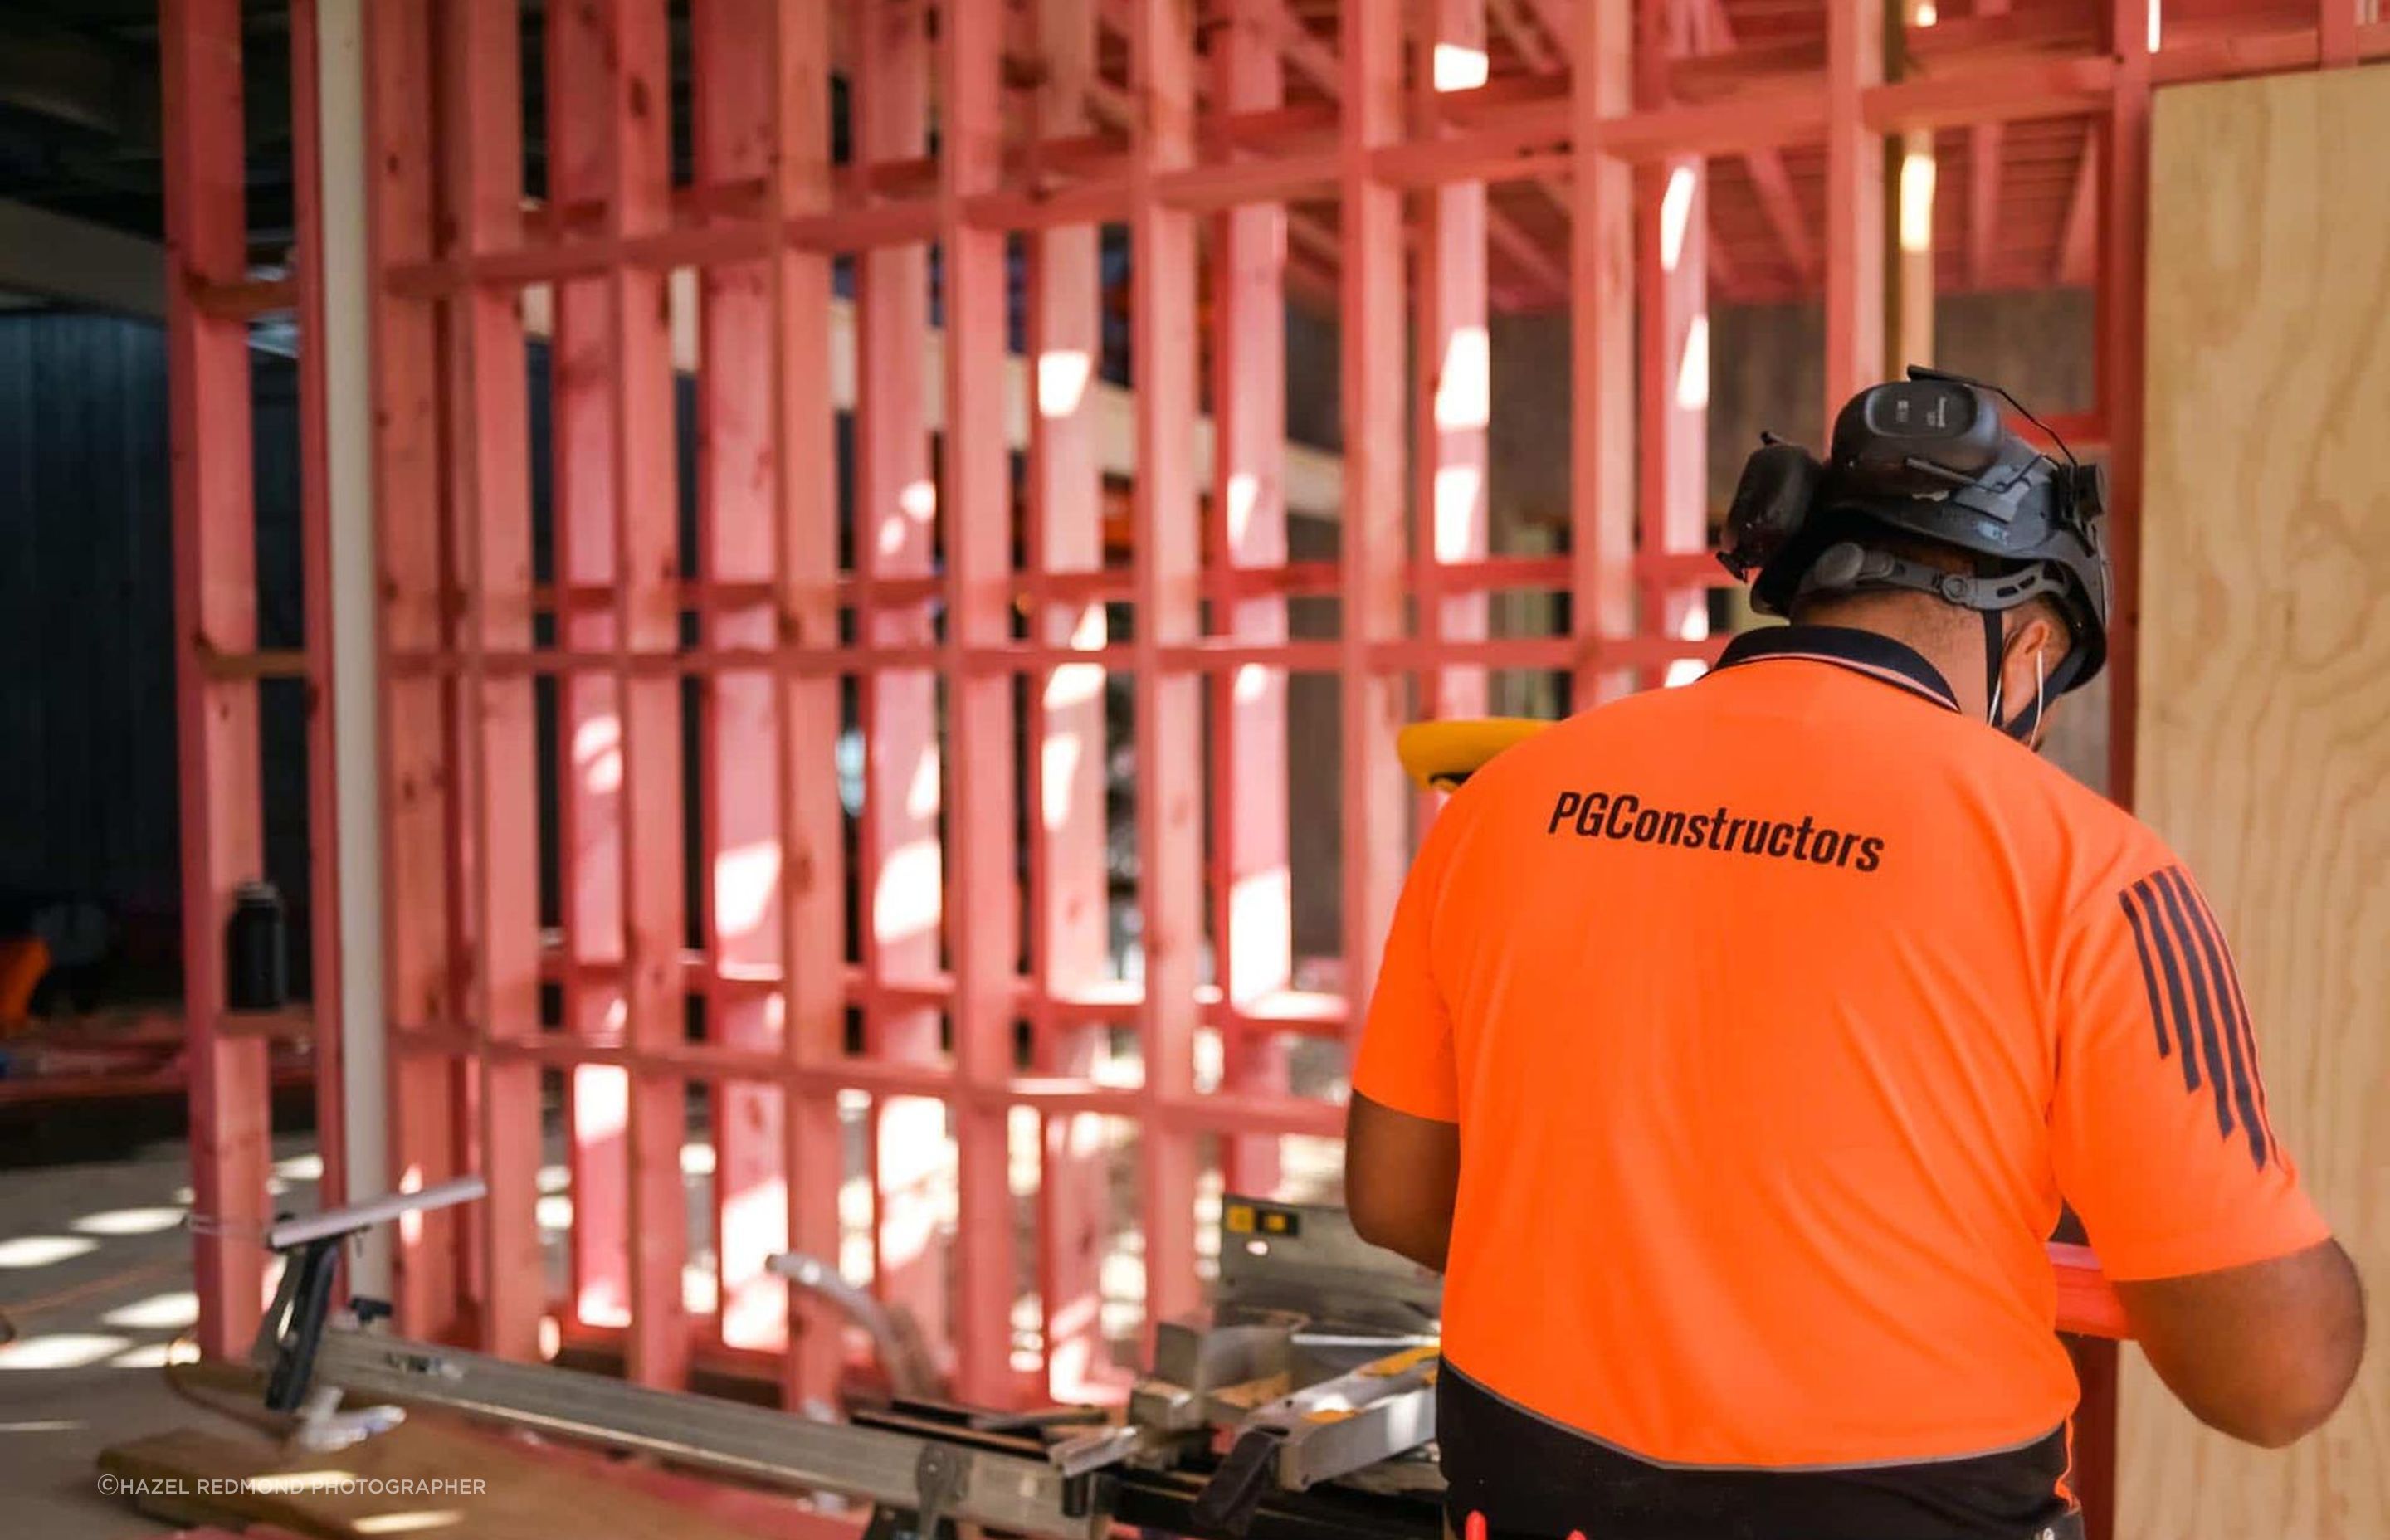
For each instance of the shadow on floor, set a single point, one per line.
(96, 1280)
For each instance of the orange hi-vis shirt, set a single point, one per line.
(1778, 1014)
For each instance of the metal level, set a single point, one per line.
(892, 1469)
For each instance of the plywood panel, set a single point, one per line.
(2265, 695)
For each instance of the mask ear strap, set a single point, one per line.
(2041, 683)
(2027, 728)
(1994, 645)
(2033, 722)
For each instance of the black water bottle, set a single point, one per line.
(257, 955)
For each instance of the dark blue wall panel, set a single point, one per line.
(89, 783)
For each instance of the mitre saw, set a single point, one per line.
(1317, 1360)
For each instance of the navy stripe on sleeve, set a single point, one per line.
(2140, 900)
(2199, 1009)
(2218, 964)
(2149, 973)
(2241, 1014)
(2211, 1042)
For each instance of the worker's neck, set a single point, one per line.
(1950, 639)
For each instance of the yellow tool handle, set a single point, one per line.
(1440, 755)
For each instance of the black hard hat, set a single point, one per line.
(1929, 457)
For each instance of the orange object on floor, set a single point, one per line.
(24, 960)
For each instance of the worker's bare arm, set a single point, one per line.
(2264, 1351)
(1401, 1173)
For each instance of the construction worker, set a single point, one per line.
(1735, 1045)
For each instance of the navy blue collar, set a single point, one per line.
(1867, 652)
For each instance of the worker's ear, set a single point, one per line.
(2043, 632)
(2036, 644)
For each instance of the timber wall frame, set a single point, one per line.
(943, 595)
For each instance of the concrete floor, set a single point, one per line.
(94, 1274)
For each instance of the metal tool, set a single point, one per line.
(1302, 1308)
(1317, 1358)
(896, 1469)
(294, 1323)
(1378, 1412)
(895, 1338)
